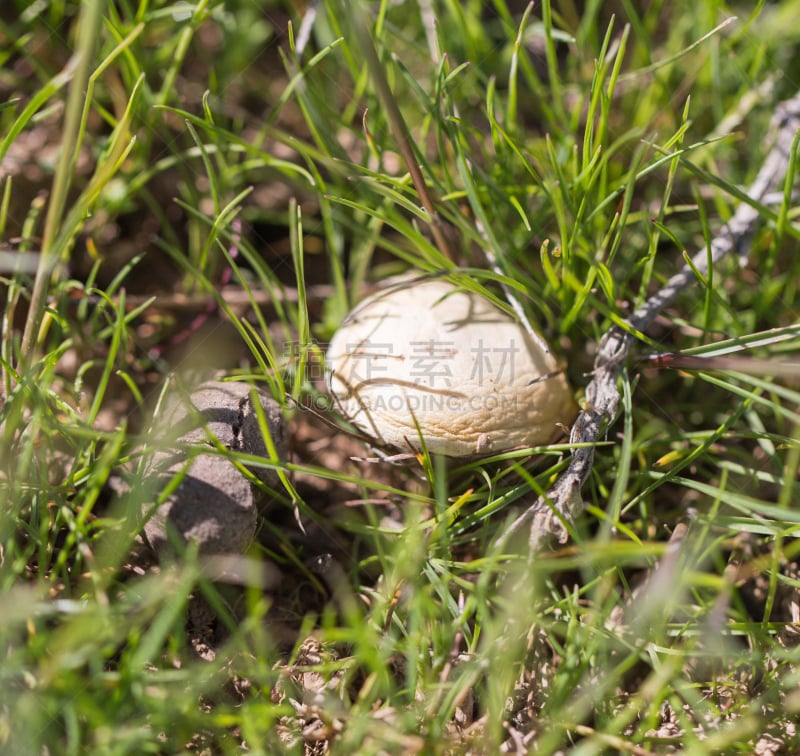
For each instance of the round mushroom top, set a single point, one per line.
(433, 363)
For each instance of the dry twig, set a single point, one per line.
(549, 516)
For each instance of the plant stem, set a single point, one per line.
(89, 23)
(399, 131)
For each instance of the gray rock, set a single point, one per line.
(214, 505)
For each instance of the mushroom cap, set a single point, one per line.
(431, 362)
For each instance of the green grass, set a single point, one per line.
(572, 156)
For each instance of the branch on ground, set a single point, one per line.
(550, 516)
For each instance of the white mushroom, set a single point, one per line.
(429, 362)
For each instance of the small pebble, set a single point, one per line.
(215, 505)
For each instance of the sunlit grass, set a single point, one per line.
(571, 159)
